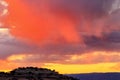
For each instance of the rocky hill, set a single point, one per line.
(33, 73)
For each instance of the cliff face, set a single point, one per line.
(33, 73)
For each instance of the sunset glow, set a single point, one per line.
(70, 36)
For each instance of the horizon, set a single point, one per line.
(69, 36)
(65, 73)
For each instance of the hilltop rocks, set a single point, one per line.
(33, 73)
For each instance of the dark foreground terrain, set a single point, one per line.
(33, 73)
(97, 76)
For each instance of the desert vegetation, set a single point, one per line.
(33, 73)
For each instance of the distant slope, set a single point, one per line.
(97, 76)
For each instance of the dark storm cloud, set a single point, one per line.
(93, 8)
(9, 45)
(15, 46)
(89, 9)
(108, 42)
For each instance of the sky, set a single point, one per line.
(70, 36)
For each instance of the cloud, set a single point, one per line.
(61, 29)
(95, 50)
(11, 45)
(3, 12)
(3, 6)
(108, 42)
(64, 54)
(53, 21)
(86, 58)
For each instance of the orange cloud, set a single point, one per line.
(86, 58)
(49, 22)
(39, 25)
(86, 63)
(93, 58)
(52, 23)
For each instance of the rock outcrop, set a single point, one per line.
(33, 73)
